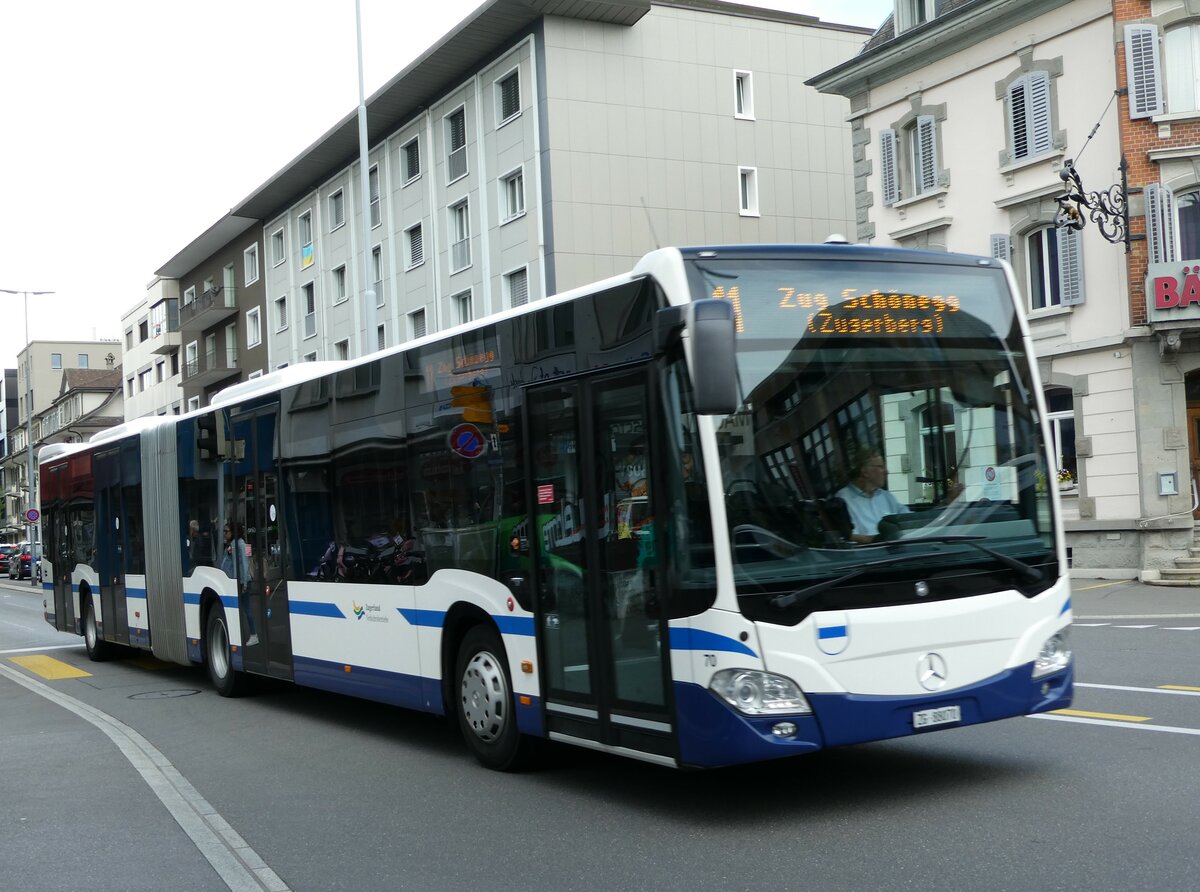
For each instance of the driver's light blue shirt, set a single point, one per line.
(867, 510)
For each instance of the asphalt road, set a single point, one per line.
(137, 776)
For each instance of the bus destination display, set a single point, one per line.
(856, 313)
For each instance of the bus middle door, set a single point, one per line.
(254, 504)
(600, 629)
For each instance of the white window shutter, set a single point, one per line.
(1070, 266)
(927, 155)
(887, 167)
(1143, 71)
(1160, 224)
(1041, 136)
(1001, 247)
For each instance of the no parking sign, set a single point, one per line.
(32, 515)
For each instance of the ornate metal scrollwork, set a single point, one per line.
(1108, 209)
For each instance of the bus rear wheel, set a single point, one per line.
(218, 655)
(484, 701)
(97, 648)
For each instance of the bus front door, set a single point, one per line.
(110, 547)
(600, 629)
(254, 504)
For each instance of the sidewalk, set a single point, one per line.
(1128, 597)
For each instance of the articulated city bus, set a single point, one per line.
(741, 503)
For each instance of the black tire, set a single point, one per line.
(217, 655)
(484, 703)
(98, 649)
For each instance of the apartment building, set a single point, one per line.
(526, 154)
(150, 352)
(46, 363)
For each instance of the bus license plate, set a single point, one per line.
(945, 715)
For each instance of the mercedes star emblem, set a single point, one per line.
(931, 672)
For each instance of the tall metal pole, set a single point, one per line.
(29, 469)
(368, 314)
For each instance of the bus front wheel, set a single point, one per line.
(484, 701)
(217, 655)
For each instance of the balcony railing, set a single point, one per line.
(210, 368)
(208, 309)
(460, 255)
(457, 163)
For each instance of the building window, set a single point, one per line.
(231, 345)
(462, 306)
(748, 191)
(380, 337)
(513, 195)
(309, 357)
(307, 255)
(743, 95)
(129, 335)
(310, 309)
(416, 324)
(911, 13)
(175, 363)
(415, 246)
(339, 284)
(253, 327)
(56, 360)
(160, 371)
(412, 160)
(1030, 131)
(508, 97)
(908, 159)
(250, 264)
(1055, 268)
(81, 360)
(377, 274)
(144, 380)
(191, 359)
(128, 392)
(143, 331)
(373, 188)
(516, 287)
(193, 403)
(281, 320)
(278, 248)
(456, 145)
(1060, 412)
(341, 349)
(337, 210)
(460, 237)
(189, 296)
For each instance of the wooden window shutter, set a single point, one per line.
(1143, 71)
(888, 182)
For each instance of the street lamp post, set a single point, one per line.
(28, 434)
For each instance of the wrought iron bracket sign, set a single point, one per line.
(1108, 209)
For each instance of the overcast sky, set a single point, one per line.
(129, 127)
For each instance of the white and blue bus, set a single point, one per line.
(626, 517)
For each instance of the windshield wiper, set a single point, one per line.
(791, 599)
(1022, 569)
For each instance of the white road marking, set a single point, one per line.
(1117, 687)
(230, 856)
(37, 650)
(1111, 724)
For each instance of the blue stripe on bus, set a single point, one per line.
(1066, 606)
(831, 632)
(315, 608)
(396, 688)
(435, 619)
(700, 639)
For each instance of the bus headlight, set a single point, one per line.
(754, 692)
(1055, 655)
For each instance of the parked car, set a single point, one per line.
(20, 562)
(7, 550)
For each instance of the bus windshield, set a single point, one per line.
(887, 446)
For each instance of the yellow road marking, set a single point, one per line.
(1178, 687)
(1088, 588)
(48, 667)
(1114, 716)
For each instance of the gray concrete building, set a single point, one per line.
(537, 147)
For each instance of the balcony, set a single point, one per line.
(164, 326)
(208, 309)
(210, 368)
